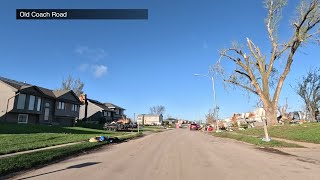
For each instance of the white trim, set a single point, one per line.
(26, 118)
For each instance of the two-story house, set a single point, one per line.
(93, 110)
(118, 111)
(25, 103)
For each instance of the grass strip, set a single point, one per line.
(27, 161)
(255, 140)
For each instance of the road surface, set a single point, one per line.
(179, 155)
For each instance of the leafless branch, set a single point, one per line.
(243, 86)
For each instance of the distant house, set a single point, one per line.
(150, 119)
(25, 103)
(118, 111)
(171, 120)
(93, 110)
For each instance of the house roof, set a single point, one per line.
(47, 92)
(15, 84)
(100, 104)
(59, 93)
(110, 105)
(150, 115)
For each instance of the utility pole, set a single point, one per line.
(214, 97)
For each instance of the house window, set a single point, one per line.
(31, 103)
(39, 104)
(109, 114)
(117, 111)
(74, 107)
(105, 113)
(61, 105)
(21, 101)
(23, 118)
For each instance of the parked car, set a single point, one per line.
(194, 126)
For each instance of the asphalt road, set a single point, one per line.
(179, 154)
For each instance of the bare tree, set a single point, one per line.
(157, 109)
(213, 115)
(210, 117)
(308, 89)
(261, 74)
(72, 84)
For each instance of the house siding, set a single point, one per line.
(6, 92)
(94, 113)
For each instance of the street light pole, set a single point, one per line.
(215, 104)
(214, 98)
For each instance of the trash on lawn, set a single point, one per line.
(103, 138)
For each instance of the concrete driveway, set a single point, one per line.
(180, 154)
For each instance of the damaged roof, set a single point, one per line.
(110, 105)
(100, 104)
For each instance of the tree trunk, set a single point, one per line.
(271, 115)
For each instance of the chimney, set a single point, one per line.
(85, 107)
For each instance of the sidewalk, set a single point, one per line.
(40, 149)
(310, 152)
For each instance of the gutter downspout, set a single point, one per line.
(5, 118)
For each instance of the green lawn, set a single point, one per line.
(27, 161)
(254, 140)
(309, 132)
(20, 137)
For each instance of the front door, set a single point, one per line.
(46, 114)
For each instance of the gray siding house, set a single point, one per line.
(26, 103)
(93, 110)
(118, 111)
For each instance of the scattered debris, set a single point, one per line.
(103, 138)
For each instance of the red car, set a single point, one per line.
(194, 126)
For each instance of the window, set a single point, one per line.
(21, 101)
(105, 113)
(39, 104)
(74, 107)
(61, 105)
(23, 118)
(31, 103)
(117, 111)
(109, 114)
